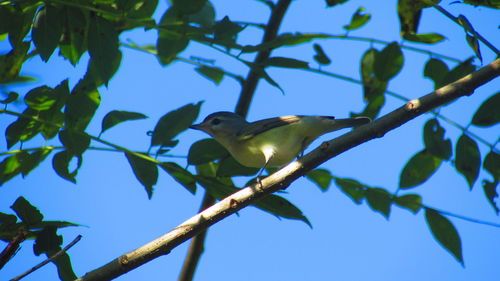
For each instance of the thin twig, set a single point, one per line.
(55, 256)
(463, 217)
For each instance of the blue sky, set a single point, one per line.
(348, 241)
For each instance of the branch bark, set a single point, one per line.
(285, 176)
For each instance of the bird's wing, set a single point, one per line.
(258, 127)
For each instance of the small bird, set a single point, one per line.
(271, 142)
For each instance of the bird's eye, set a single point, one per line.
(215, 121)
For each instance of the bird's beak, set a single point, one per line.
(197, 127)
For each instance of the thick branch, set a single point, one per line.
(285, 176)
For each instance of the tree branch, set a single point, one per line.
(285, 176)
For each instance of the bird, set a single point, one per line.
(271, 142)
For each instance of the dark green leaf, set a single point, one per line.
(40, 98)
(486, 3)
(74, 41)
(229, 167)
(373, 88)
(75, 143)
(33, 159)
(388, 62)
(320, 56)
(434, 140)
(445, 233)
(352, 188)
(144, 170)
(82, 104)
(331, 3)
(412, 202)
(22, 129)
(426, 38)
(436, 70)
(409, 13)
(173, 123)
(262, 73)
(286, 39)
(321, 177)
(418, 169)
(11, 97)
(205, 17)
(188, 6)
(116, 117)
(214, 74)
(19, 20)
(359, 18)
(491, 164)
(467, 159)
(28, 213)
(459, 71)
(140, 8)
(57, 224)
(488, 114)
(490, 190)
(47, 30)
(180, 175)
(11, 63)
(169, 44)
(226, 31)
(285, 62)
(61, 162)
(474, 44)
(102, 40)
(6, 219)
(379, 200)
(206, 150)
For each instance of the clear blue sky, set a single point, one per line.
(348, 241)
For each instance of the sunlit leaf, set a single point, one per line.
(434, 140)
(418, 169)
(426, 38)
(445, 233)
(379, 200)
(40, 98)
(28, 213)
(412, 202)
(47, 30)
(173, 123)
(321, 177)
(358, 19)
(467, 159)
(145, 171)
(116, 117)
(180, 175)
(488, 114)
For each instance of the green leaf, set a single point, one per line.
(418, 169)
(173, 123)
(32, 160)
(436, 70)
(409, 13)
(491, 164)
(434, 140)
(21, 22)
(388, 62)
(352, 188)
(205, 17)
(486, 3)
(10, 167)
(75, 143)
(40, 98)
(206, 150)
(426, 38)
(467, 159)
(445, 233)
(7, 219)
(490, 190)
(488, 114)
(102, 40)
(116, 117)
(285, 62)
(47, 30)
(379, 200)
(359, 18)
(373, 87)
(229, 167)
(11, 97)
(320, 56)
(188, 6)
(61, 162)
(286, 39)
(144, 170)
(28, 213)
(321, 177)
(214, 74)
(22, 129)
(180, 175)
(226, 31)
(11, 63)
(412, 202)
(169, 44)
(82, 105)
(474, 45)
(459, 71)
(331, 3)
(75, 32)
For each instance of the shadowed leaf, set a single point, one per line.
(418, 169)
(116, 117)
(488, 114)
(434, 140)
(321, 177)
(47, 30)
(206, 150)
(388, 62)
(28, 213)
(467, 159)
(379, 200)
(180, 175)
(445, 233)
(412, 202)
(145, 171)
